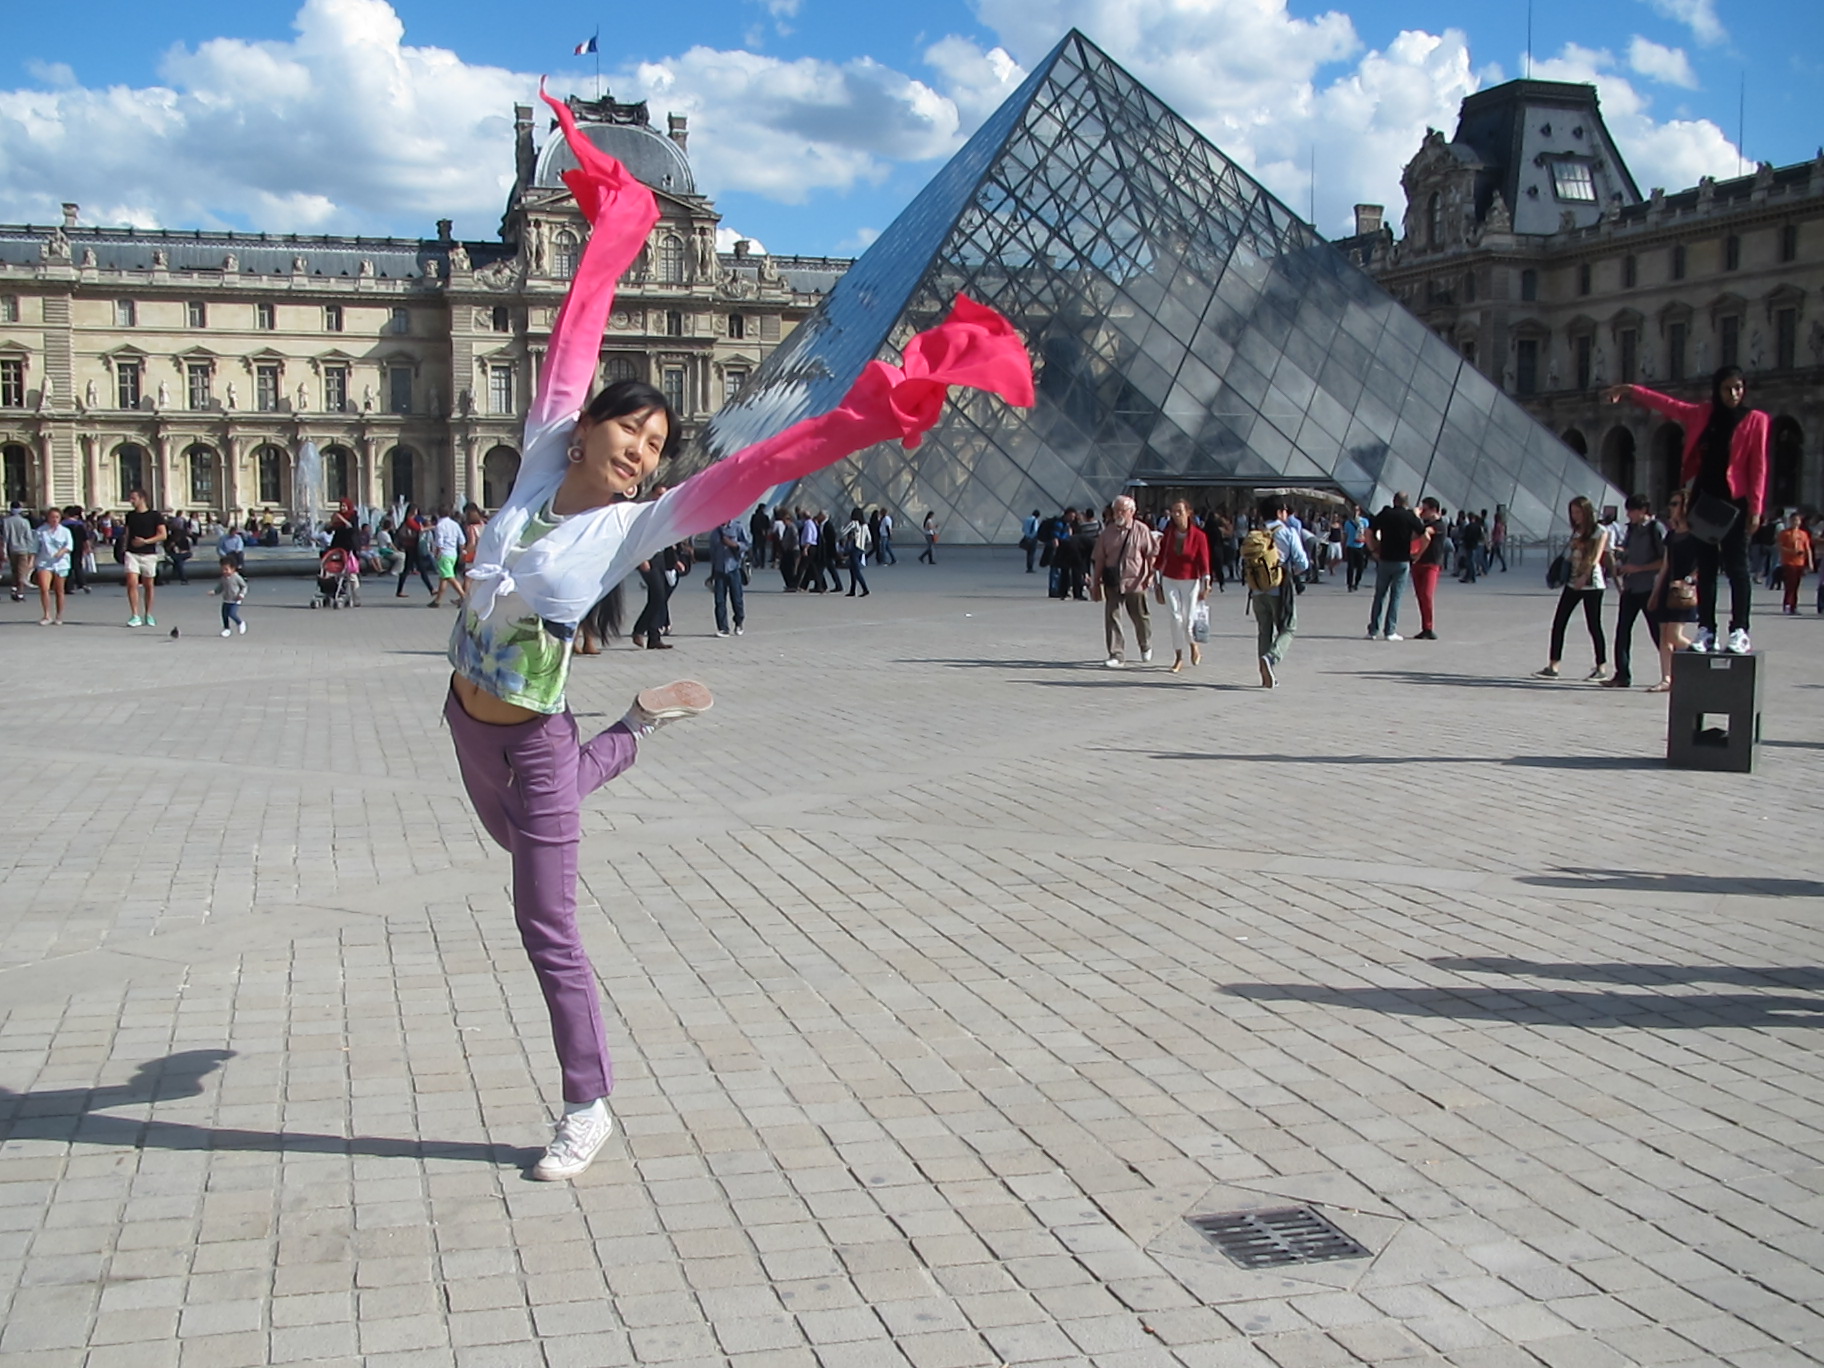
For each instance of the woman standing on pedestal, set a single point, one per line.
(571, 530)
(1725, 465)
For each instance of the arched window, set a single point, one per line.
(1788, 448)
(401, 481)
(1574, 439)
(202, 463)
(671, 260)
(130, 465)
(16, 461)
(565, 248)
(338, 473)
(498, 468)
(1617, 464)
(622, 368)
(1434, 220)
(269, 471)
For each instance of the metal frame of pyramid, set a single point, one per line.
(1186, 329)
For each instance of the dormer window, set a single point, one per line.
(1571, 180)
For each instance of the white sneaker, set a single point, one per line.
(1373, 635)
(653, 708)
(1738, 642)
(720, 632)
(1145, 657)
(1113, 662)
(1395, 636)
(580, 1137)
(226, 632)
(241, 627)
(739, 630)
(1704, 642)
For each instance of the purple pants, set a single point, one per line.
(527, 782)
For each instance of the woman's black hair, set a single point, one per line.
(1721, 428)
(635, 396)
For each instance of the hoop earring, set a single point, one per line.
(575, 453)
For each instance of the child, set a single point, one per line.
(233, 589)
(571, 530)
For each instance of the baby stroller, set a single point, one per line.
(338, 580)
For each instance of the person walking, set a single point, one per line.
(759, 533)
(1355, 547)
(145, 534)
(52, 551)
(728, 548)
(1794, 544)
(1184, 580)
(1428, 565)
(1390, 541)
(1673, 606)
(1725, 469)
(233, 590)
(1642, 557)
(447, 537)
(884, 540)
(1029, 539)
(929, 528)
(1583, 588)
(1272, 558)
(82, 547)
(21, 548)
(855, 542)
(785, 537)
(1122, 568)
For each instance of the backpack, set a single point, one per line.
(1260, 567)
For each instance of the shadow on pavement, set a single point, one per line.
(73, 1114)
(1463, 681)
(1544, 1007)
(1566, 762)
(1647, 881)
(1804, 977)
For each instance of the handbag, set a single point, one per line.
(1710, 518)
(1200, 623)
(1681, 594)
(1558, 573)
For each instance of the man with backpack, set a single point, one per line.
(1638, 565)
(1272, 557)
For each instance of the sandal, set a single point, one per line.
(1664, 686)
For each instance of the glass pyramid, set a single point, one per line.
(1186, 329)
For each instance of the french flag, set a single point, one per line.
(584, 49)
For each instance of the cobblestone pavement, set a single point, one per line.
(948, 972)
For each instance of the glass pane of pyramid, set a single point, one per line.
(1184, 325)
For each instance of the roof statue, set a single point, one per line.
(1186, 328)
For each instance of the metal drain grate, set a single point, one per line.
(1268, 1239)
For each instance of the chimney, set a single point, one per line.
(69, 214)
(680, 130)
(1368, 218)
(742, 247)
(525, 159)
(444, 236)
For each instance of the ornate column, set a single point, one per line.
(159, 477)
(471, 468)
(89, 493)
(367, 475)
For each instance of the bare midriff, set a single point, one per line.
(481, 705)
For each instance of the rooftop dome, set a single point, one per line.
(622, 131)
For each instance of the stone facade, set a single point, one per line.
(196, 364)
(1527, 246)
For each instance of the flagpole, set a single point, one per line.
(596, 43)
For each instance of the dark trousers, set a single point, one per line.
(1633, 605)
(1730, 557)
(1591, 599)
(1356, 557)
(787, 561)
(651, 621)
(856, 579)
(728, 588)
(411, 563)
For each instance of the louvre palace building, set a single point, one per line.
(1527, 245)
(195, 364)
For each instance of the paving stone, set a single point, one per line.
(906, 1056)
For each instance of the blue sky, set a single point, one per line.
(813, 121)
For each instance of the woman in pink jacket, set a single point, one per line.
(1726, 459)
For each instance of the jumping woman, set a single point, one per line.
(571, 530)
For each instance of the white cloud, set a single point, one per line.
(343, 128)
(727, 237)
(1673, 154)
(1667, 65)
(1697, 15)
